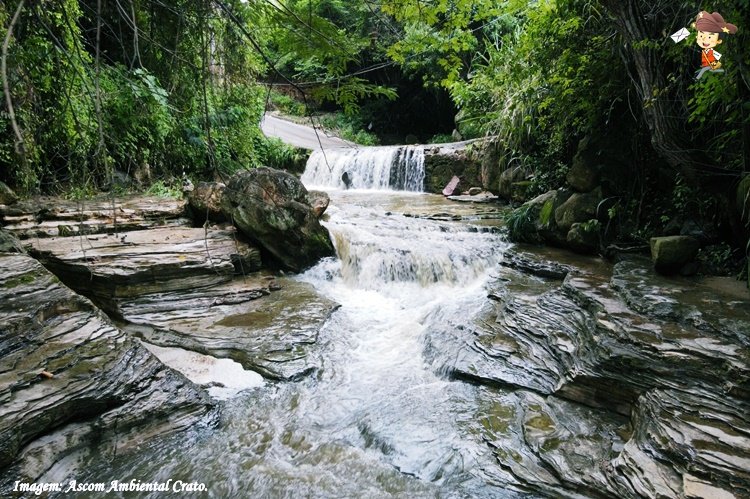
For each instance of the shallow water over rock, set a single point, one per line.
(452, 365)
(374, 420)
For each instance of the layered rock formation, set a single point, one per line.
(75, 383)
(72, 382)
(46, 217)
(658, 372)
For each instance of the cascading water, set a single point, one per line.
(394, 167)
(376, 420)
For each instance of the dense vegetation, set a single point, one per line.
(173, 87)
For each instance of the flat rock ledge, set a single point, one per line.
(195, 289)
(48, 217)
(111, 268)
(274, 334)
(72, 383)
(625, 386)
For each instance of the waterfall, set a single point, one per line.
(398, 168)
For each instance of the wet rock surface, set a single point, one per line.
(73, 384)
(630, 384)
(274, 336)
(47, 217)
(272, 209)
(110, 268)
(179, 288)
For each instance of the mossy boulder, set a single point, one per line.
(672, 253)
(205, 202)
(535, 221)
(512, 184)
(584, 237)
(272, 209)
(579, 207)
(583, 176)
(7, 196)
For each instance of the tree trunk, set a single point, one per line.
(664, 115)
(640, 23)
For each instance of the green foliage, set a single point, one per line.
(547, 212)
(349, 92)
(440, 138)
(720, 259)
(438, 37)
(287, 104)
(520, 223)
(276, 154)
(137, 118)
(165, 189)
(349, 127)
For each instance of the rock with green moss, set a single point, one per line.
(584, 237)
(9, 244)
(671, 253)
(508, 185)
(535, 220)
(583, 176)
(578, 208)
(7, 196)
(205, 202)
(272, 209)
(72, 382)
(442, 163)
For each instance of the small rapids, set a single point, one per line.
(376, 420)
(381, 168)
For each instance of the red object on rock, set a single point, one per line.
(452, 187)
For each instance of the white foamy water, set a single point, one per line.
(223, 378)
(375, 420)
(394, 275)
(392, 167)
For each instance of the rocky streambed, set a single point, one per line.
(429, 359)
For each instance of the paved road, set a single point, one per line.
(300, 135)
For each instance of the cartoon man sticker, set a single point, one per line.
(712, 29)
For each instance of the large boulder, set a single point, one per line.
(578, 208)
(671, 253)
(535, 220)
(583, 176)
(512, 184)
(7, 196)
(205, 201)
(319, 201)
(272, 209)
(584, 237)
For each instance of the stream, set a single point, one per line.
(376, 420)
(428, 359)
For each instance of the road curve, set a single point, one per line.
(300, 135)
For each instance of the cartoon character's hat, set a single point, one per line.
(713, 23)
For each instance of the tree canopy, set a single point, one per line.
(94, 85)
